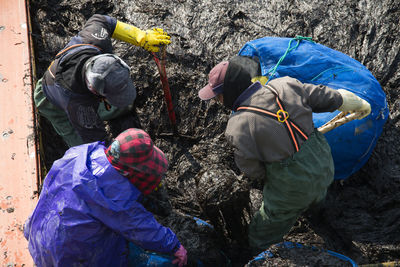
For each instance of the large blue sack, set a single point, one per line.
(309, 62)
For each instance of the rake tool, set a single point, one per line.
(167, 95)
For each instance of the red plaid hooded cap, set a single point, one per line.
(134, 156)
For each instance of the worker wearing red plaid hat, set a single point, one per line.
(89, 208)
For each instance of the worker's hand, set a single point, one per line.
(181, 257)
(353, 103)
(155, 38)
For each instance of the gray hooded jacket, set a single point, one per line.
(259, 139)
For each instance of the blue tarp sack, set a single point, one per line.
(310, 62)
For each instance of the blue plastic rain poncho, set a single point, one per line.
(309, 62)
(87, 212)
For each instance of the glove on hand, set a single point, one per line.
(181, 257)
(154, 38)
(353, 103)
(262, 79)
(149, 40)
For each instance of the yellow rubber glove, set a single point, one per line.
(149, 40)
(155, 38)
(262, 79)
(353, 103)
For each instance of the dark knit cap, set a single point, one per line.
(238, 77)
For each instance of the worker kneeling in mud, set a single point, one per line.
(90, 205)
(274, 140)
(86, 73)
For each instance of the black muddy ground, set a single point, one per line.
(361, 215)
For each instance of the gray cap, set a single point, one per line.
(109, 76)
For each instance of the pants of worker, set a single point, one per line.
(59, 119)
(291, 186)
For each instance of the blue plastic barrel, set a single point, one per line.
(292, 245)
(139, 257)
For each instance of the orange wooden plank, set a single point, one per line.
(18, 160)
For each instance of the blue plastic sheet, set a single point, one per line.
(310, 62)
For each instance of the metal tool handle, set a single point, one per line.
(165, 85)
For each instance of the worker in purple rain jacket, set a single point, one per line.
(90, 208)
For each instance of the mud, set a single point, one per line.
(360, 217)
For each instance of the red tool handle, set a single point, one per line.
(165, 86)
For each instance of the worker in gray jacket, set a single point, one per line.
(273, 135)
